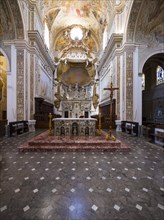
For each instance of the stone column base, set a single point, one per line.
(31, 125)
(118, 125)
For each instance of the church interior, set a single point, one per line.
(81, 109)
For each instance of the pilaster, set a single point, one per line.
(26, 82)
(129, 85)
(20, 84)
(32, 57)
(118, 86)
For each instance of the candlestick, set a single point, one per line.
(50, 124)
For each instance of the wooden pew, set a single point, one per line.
(18, 127)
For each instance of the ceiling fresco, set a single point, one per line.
(61, 16)
(92, 17)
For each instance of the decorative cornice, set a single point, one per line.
(37, 41)
(119, 51)
(19, 44)
(128, 47)
(112, 45)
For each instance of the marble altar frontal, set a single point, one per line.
(74, 126)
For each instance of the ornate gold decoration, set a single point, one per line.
(58, 96)
(50, 124)
(99, 131)
(95, 97)
(57, 104)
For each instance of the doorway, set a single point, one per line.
(153, 90)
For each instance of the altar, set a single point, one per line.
(74, 126)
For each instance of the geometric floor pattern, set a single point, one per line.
(82, 185)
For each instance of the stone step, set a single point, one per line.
(97, 143)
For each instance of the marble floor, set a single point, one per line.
(82, 185)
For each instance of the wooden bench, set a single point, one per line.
(3, 124)
(17, 127)
(130, 127)
(158, 138)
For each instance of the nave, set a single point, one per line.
(82, 185)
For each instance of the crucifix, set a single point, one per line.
(111, 89)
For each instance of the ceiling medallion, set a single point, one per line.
(76, 33)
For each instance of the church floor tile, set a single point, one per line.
(82, 185)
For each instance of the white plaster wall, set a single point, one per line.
(26, 85)
(115, 80)
(121, 89)
(124, 87)
(11, 88)
(28, 88)
(137, 90)
(38, 25)
(38, 22)
(46, 80)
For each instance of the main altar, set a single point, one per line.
(76, 101)
(74, 126)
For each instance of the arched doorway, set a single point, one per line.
(3, 94)
(153, 91)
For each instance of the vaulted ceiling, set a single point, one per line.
(91, 16)
(76, 32)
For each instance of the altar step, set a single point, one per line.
(44, 142)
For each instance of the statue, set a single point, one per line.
(50, 124)
(58, 96)
(95, 97)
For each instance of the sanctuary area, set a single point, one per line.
(81, 109)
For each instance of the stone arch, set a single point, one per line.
(130, 29)
(145, 23)
(153, 96)
(11, 20)
(146, 57)
(11, 26)
(149, 24)
(17, 18)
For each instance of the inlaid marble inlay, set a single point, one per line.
(129, 85)
(26, 87)
(118, 86)
(74, 126)
(20, 85)
(31, 85)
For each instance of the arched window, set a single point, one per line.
(159, 75)
(117, 2)
(46, 35)
(105, 38)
